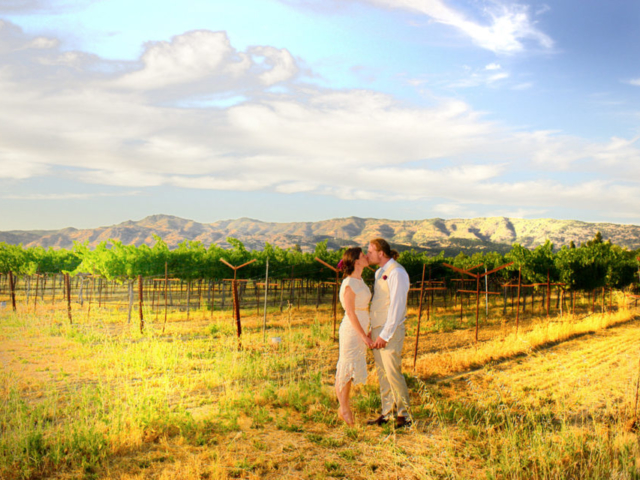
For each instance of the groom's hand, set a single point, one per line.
(379, 343)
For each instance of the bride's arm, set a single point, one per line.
(350, 309)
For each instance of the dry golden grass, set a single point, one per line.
(102, 401)
(504, 346)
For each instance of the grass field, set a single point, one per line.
(104, 401)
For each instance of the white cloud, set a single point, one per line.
(522, 86)
(544, 8)
(36, 6)
(617, 153)
(454, 210)
(484, 77)
(497, 77)
(102, 127)
(121, 177)
(283, 66)
(197, 65)
(43, 43)
(521, 213)
(509, 24)
(20, 165)
(187, 58)
(241, 183)
(635, 82)
(68, 196)
(357, 126)
(493, 66)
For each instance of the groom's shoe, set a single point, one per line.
(381, 420)
(402, 422)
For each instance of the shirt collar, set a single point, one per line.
(386, 266)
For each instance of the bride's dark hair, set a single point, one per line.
(349, 258)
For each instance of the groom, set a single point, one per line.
(388, 312)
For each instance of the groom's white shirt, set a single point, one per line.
(398, 282)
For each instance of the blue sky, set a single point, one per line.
(303, 110)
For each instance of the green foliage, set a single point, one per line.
(594, 264)
(28, 261)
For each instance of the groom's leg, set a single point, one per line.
(386, 395)
(391, 357)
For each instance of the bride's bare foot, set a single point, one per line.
(346, 417)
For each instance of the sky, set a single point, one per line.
(306, 110)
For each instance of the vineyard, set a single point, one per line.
(86, 297)
(129, 363)
(195, 280)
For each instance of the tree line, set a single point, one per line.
(593, 264)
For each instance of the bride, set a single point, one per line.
(354, 337)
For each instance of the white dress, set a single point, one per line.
(352, 363)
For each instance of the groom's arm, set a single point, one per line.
(398, 291)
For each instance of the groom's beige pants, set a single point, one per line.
(393, 387)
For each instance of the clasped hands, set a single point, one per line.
(377, 344)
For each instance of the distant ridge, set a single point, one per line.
(432, 235)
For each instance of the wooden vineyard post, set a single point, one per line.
(236, 302)
(281, 293)
(140, 301)
(166, 284)
(67, 286)
(518, 301)
(638, 259)
(44, 287)
(548, 292)
(155, 306)
(478, 304)
(256, 290)
(53, 294)
(266, 293)
(486, 293)
(92, 281)
(423, 290)
(188, 298)
(12, 289)
(236, 305)
(35, 297)
(213, 297)
(611, 301)
(477, 276)
(335, 294)
(548, 286)
(459, 295)
(415, 353)
(99, 292)
(291, 289)
(154, 290)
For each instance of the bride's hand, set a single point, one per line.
(368, 341)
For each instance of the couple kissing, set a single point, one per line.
(379, 327)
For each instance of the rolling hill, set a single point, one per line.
(432, 235)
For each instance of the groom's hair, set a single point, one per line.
(383, 246)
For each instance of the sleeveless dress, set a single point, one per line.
(352, 362)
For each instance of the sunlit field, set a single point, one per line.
(102, 400)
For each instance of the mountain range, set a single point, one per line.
(431, 235)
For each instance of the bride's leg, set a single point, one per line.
(345, 409)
